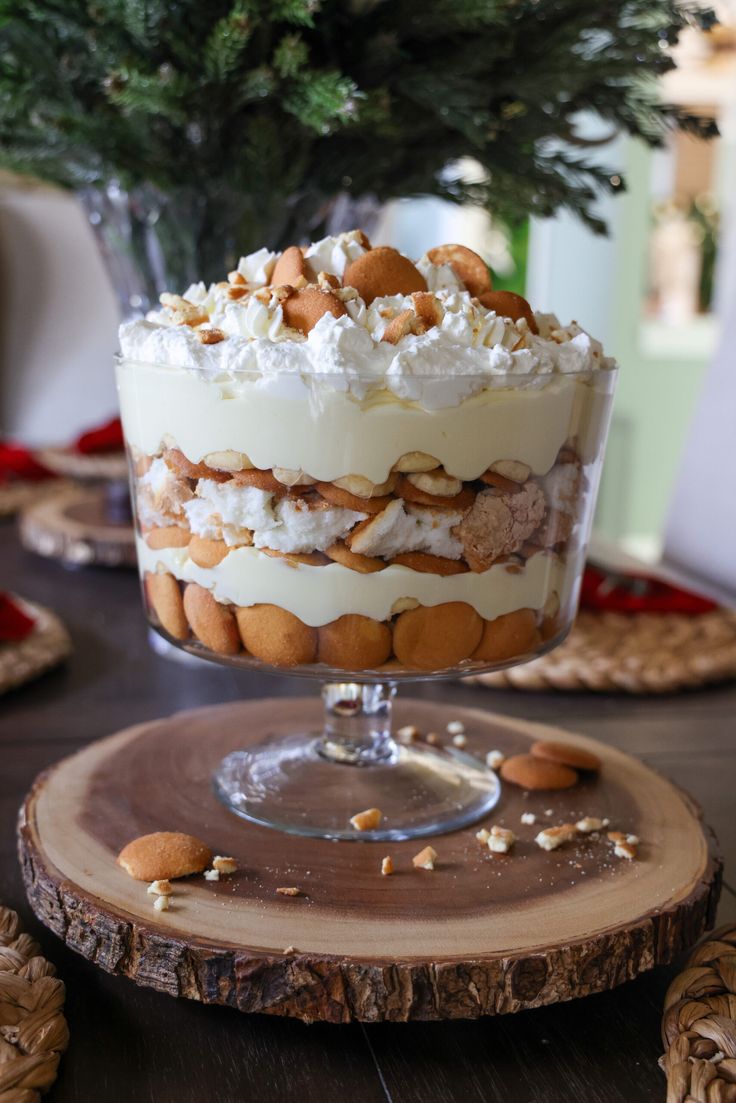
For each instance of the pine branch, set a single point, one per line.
(263, 107)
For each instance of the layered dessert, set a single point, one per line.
(345, 460)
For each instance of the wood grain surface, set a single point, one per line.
(132, 1043)
(75, 526)
(483, 934)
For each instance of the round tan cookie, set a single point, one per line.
(530, 772)
(435, 637)
(430, 564)
(510, 305)
(290, 267)
(365, 564)
(164, 597)
(212, 623)
(383, 271)
(207, 553)
(411, 493)
(169, 536)
(261, 480)
(507, 636)
(307, 559)
(304, 308)
(177, 462)
(471, 269)
(492, 478)
(276, 636)
(164, 855)
(354, 642)
(566, 755)
(336, 496)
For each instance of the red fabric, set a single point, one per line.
(638, 593)
(19, 464)
(15, 625)
(105, 438)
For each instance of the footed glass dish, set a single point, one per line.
(332, 529)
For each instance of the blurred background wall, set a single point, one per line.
(646, 290)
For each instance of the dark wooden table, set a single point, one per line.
(135, 1045)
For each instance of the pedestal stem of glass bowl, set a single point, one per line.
(357, 728)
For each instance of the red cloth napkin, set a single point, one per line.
(638, 593)
(105, 438)
(19, 464)
(15, 625)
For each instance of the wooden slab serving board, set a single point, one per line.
(481, 934)
(75, 526)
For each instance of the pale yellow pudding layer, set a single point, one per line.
(319, 595)
(329, 433)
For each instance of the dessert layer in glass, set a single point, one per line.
(397, 483)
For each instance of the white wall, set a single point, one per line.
(58, 320)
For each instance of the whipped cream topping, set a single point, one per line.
(470, 350)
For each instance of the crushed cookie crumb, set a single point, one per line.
(483, 835)
(624, 846)
(501, 839)
(589, 824)
(367, 820)
(162, 887)
(425, 859)
(552, 837)
(289, 950)
(455, 727)
(224, 864)
(161, 903)
(495, 760)
(460, 740)
(387, 866)
(408, 734)
(432, 738)
(212, 875)
(528, 817)
(289, 890)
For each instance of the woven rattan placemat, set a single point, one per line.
(33, 1030)
(644, 653)
(699, 1024)
(47, 645)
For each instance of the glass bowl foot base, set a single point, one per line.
(420, 790)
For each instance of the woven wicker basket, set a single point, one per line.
(699, 1024)
(33, 1030)
(644, 653)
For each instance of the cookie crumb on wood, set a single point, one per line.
(162, 887)
(368, 820)
(222, 864)
(289, 890)
(495, 759)
(501, 839)
(552, 837)
(425, 859)
(387, 866)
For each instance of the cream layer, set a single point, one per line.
(318, 595)
(329, 434)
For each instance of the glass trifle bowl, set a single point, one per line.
(351, 467)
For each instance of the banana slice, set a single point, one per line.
(515, 470)
(436, 482)
(289, 477)
(364, 488)
(412, 462)
(403, 604)
(228, 461)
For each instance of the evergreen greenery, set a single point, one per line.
(258, 111)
